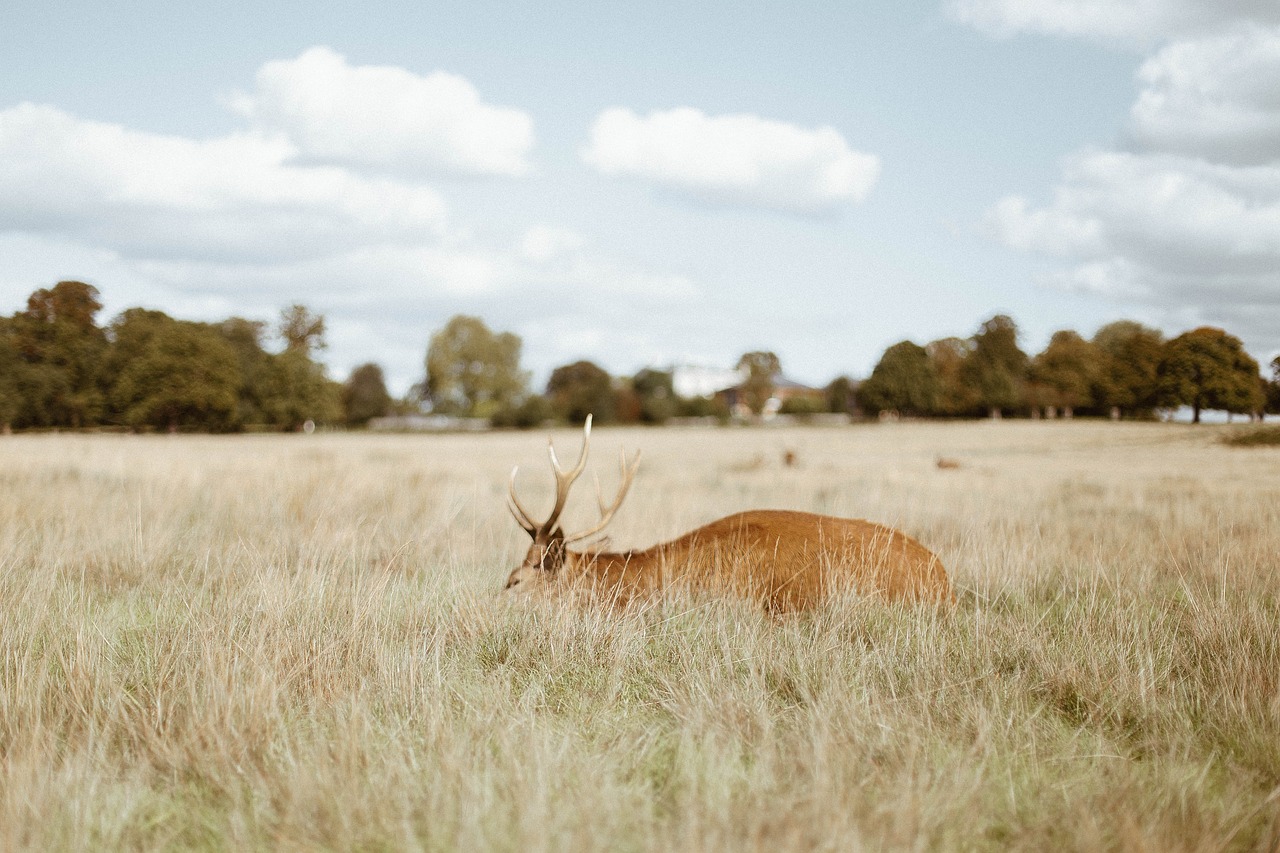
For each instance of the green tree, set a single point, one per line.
(283, 390)
(948, 357)
(59, 337)
(656, 393)
(364, 396)
(474, 371)
(1207, 368)
(904, 380)
(579, 389)
(30, 392)
(1128, 381)
(533, 411)
(841, 396)
(258, 372)
(300, 392)
(1067, 371)
(301, 330)
(762, 368)
(171, 374)
(11, 363)
(996, 368)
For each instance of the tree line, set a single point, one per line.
(145, 370)
(148, 371)
(1125, 370)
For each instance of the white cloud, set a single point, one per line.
(1216, 97)
(1169, 213)
(542, 244)
(1115, 20)
(386, 117)
(1058, 231)
(740, 160)
(1196, 238)
(248, 222)
(235, 197)
(1188, 221)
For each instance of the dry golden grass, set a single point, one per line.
(298, 643)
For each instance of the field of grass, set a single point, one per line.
(297, 642)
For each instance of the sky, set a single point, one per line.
(650, 183)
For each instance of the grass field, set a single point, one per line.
(289, 642)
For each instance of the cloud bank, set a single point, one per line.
(1113, 20)
(234, 198)
(321, 198)
(1216, 97)
(734, 160)
(1187, 218)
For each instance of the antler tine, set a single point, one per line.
(517, 509)
(565, 479)
(561, 476)
(606, 513)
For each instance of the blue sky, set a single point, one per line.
(651, 183)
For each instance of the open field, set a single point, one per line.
(297, 642)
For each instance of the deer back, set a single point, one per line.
(787, 560)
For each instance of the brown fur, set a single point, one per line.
(786, 560)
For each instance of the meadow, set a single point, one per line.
(298, 642)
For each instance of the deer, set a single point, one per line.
(785, 560)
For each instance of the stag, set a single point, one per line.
(784, 559)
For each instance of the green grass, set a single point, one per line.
(263, 643)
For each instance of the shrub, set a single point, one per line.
(1264, 436)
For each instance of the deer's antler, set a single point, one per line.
(565, 480)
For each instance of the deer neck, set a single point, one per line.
(601, 565)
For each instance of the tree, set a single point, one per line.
(473, 371)
(1207, 368)
(841, 395)
(59, 338)
(761, 367)
(258, 372)
(996, 369)
(1129, 363)
(657, 395)
(1066, 371)
(579, 389)
(286, 389)
(1273, 387)
(533, 411)
(299, 391)
(11, 402)
(170, 373)
(948, 357)
(903, 381)
(364, 396)
(301, 330)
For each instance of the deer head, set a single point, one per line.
(549, 551)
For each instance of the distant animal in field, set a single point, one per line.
(946, 464)
(790, 459)
(784, 559)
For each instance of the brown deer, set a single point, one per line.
(786, 560)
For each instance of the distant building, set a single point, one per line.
(784, 389)
(691, 380)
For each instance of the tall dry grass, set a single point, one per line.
(297, 643)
